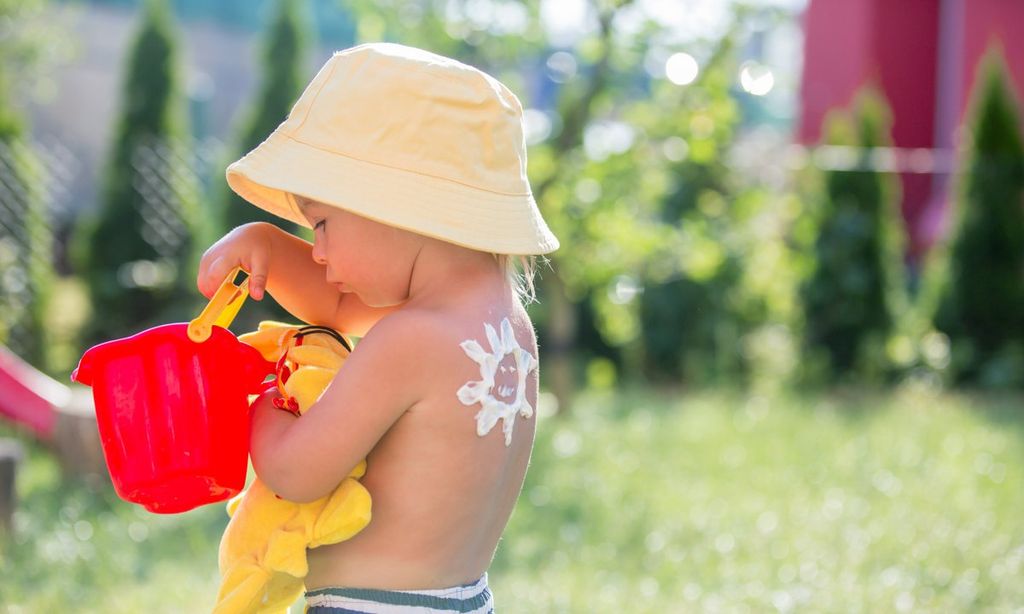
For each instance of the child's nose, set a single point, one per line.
(318, 253)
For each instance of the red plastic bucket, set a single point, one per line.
(173, 412)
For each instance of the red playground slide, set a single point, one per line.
(28, 396)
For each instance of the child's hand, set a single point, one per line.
(247, 246)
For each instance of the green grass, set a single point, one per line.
(639, 502)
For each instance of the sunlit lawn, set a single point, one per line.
(642, 502)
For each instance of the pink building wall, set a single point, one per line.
(992, 20)
(924, 54)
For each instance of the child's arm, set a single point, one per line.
(282, 264)
(304, 459)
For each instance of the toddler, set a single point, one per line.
(411, 170)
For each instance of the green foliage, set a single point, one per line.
(32, 43)
(690, 325)
(645, 226)
(857, 282)
(644, 503)
(139, 254)
(26, 241)
(981, 307)
(12, 125)
(430, 25)
(718, 299)
(283, 78)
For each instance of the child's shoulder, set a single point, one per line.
(431, 360)
(439, 333)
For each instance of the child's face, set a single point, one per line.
(367, 258)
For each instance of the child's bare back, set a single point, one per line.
(441, 494)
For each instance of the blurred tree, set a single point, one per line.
(139, 253)
(26, 241)
(283, 78)
(565, 162)
(857, 282)
(981, 307)
(691, 329)
(437, 26)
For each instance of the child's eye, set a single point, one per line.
(321, 223)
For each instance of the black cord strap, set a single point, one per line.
(309, 330)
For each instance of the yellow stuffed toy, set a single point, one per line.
(262, 555)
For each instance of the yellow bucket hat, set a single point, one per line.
(407, 138)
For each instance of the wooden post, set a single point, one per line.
(11, 454)
(76, 440)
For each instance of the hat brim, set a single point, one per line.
(435, 207)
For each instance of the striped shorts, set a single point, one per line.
(474, 598)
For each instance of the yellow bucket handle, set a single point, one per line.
(221, 309)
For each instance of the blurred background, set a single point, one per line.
(783, 340)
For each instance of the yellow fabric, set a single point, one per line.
(262, 556)
(407, 138)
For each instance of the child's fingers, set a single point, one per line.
(203, 275)
(204, 264)
(257, 274)
(215, 274)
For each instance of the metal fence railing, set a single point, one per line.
(37, 185)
